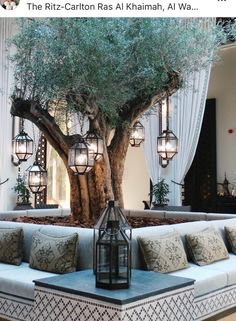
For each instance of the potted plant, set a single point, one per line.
(23, 194)
(159, 193)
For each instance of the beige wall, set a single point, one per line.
(223, 87)
(135, 179)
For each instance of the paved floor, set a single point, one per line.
(229, 317)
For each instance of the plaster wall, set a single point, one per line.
(222, 86)
(135, 179)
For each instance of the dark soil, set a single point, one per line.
(68, 221)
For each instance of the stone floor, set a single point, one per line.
(229, 315)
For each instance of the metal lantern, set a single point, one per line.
(167, 145)
(37, 178)
(95, 144)
(167, 142)
(80, 158)
(23, 146)
(137, 134)
(112, 249)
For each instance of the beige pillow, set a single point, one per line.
(53, 254)
(206, 247)
(231, 237)
(11, 243)
(164, 253)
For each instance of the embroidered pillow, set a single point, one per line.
(53, 254)
(163, 253)
(11, 243)
(231, 237)
(206, 247)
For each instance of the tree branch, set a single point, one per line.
(45, 122)
(137, 106)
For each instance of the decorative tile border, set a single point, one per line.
(214, 303)
(16, 308)
(175, 306)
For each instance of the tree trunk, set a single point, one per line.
(89, 193)
(118, 153)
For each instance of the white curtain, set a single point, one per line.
(150, 124)
(6, 168)
(186, 114)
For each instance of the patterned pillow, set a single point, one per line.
(11, 243)
(206, 247)
(163, 253)
(231, 237)
(53, 254)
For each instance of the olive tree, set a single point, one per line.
(110, 71)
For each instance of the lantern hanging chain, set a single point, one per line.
(18, 182)
(167, 111)
(34, 139)
(160, 118)
(22, 124)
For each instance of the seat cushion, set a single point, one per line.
(19, 281)
(227, 266)
(11, 244)
(53, 254)
(163, 253)
(206, 247)
(207, 279)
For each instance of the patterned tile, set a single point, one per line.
(176, 305)
(16, 308)
(215, 303)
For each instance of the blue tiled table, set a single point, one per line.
(151, 297)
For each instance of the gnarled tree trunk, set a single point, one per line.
(90, 192)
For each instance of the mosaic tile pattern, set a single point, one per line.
(208, 305)
(16, 309)
(58, 306)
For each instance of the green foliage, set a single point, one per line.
(159, 191)
(110, 60)
(22, 191)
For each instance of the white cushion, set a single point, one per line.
(227, 266)
(207, 279)
(20, 281)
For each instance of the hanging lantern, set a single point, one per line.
(37, 178)
(137, 134)
(112, 249)
(23, 146)
(80, 158)
(167, 142)
(95, 144)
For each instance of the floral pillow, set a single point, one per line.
(231, 236)
(11, 243)
(206, 247)
(53, 254)
(164, 253)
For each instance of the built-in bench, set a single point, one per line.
(214, 289)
